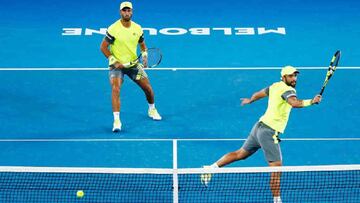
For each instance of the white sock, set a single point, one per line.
(152, 106)
(214, 165)
(116, 115)
(277, 199)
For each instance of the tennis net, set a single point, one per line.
(331, 183)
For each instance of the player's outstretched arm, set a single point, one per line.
(256, 96)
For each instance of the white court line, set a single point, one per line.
(177, 68)
(168, 140)
(103, 170)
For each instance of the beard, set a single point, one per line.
(292, 84)
(126, 18)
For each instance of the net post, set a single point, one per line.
(175, 173)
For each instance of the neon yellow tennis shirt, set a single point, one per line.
(124, 45)
(278, 110)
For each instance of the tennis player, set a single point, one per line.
(120, 46)
(265, 133)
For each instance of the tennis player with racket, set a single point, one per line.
(282, 98)
(120, 47)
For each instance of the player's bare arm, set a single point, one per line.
(104, 47)
(297, 103)
(256, 96)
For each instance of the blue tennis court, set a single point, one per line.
(74, 119)
(55, 105)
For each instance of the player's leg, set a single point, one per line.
(250, 146)
(270, 143)
(149, 93)
(115, 93)
(275, 182)
(116, 80)
(140, 77)
(145, 85)
(231, 157)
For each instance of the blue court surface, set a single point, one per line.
(55, 101)
(65, 112)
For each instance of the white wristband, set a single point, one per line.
(307, 102)
(112, 60)
(144, 54)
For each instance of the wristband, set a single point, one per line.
(112, 60)
(144, 54)
(307, 102)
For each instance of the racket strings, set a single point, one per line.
(154, 57)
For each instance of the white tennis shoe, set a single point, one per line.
(117, 125)
(153, 113)
(206, 177)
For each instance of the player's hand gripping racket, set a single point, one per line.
(331, 70)
(151, 60)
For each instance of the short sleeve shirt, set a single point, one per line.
(123, 41)
(278, 110)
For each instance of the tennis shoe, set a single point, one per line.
(116, 126)
(277, 200)
(153, 113)
(206, 177)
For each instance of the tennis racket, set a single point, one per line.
(331, 70)
(154, 57)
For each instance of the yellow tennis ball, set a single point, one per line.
(80, 194)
